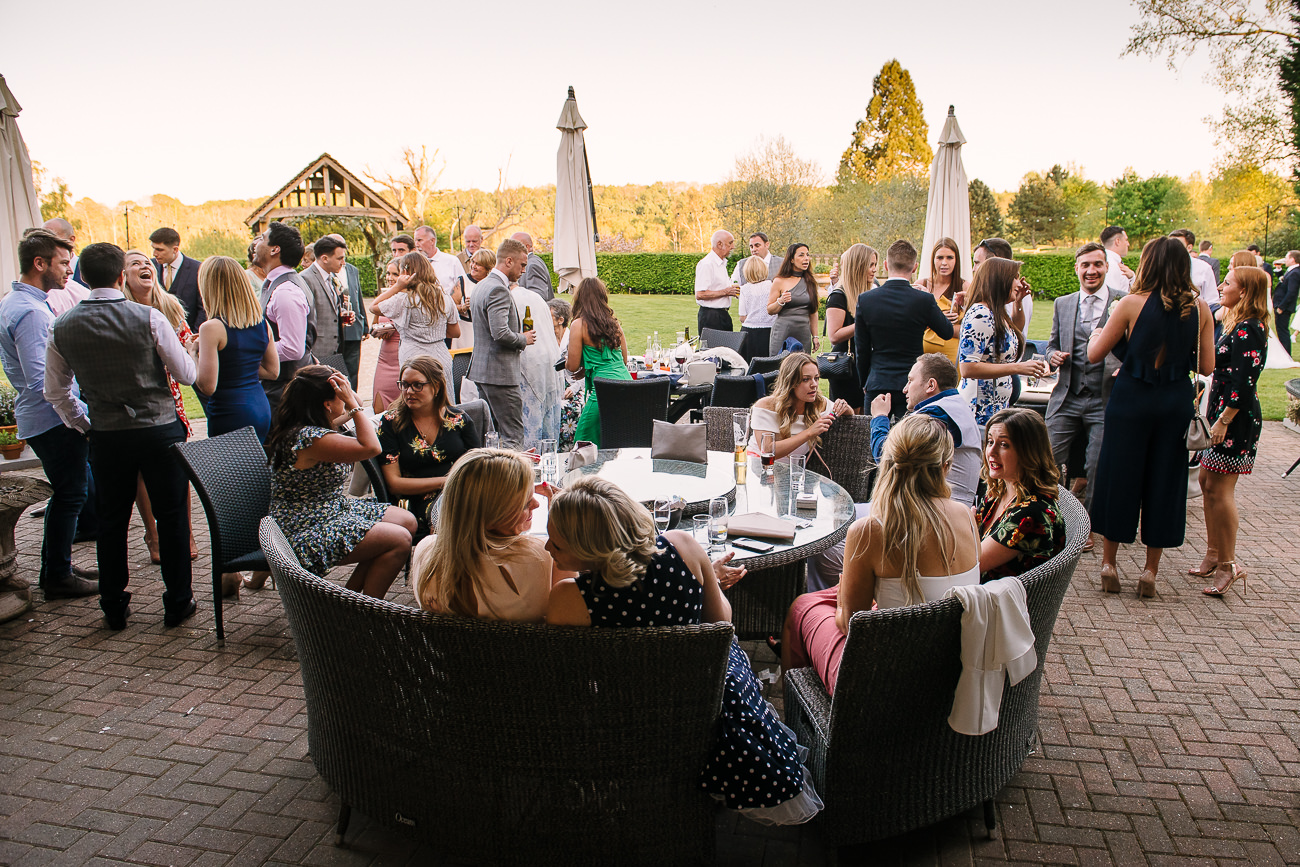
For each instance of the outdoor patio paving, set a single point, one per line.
(1170, 727)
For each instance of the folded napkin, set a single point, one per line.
(760, 526)
(996, 643)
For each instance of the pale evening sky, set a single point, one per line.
(229, 100)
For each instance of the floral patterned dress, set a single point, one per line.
(1032, 525)
(417, 458)
(312, 507)
(1238, 362)
(186, 337)
(975, 344)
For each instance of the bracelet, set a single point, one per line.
(355, 410)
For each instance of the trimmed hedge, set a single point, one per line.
(1051, 274)
(366, 272)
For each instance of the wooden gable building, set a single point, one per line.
(326, 189)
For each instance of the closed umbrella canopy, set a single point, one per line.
(575, 218)
(20, 208)
(947, 211)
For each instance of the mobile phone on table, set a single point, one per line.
(752, 545)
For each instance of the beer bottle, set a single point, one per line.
(528, 318)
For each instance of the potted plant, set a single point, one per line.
(7, 397)
(10, 446)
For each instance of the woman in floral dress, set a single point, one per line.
(989, 343)
(1237, 419)
(311, 460)
(422, 438)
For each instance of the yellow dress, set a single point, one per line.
(931, 341)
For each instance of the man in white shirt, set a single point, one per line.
(473, 238)
(63, 298)
(758, 248)
(1202, 273)
(713, 287)
(446, 267)
(1118, 275)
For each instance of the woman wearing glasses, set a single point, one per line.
(422, 438)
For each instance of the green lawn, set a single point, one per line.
(642, 314)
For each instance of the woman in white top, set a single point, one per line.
(916, 543)
(422, 312)
(755, 321)
(796, 413)
(481, 562)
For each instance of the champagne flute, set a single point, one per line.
(663, 513)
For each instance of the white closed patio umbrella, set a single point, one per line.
(20, 207)
(947, 210)
(574, 254)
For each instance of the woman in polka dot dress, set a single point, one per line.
(628, 577)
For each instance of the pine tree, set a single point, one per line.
(893, 137)
(985, 215)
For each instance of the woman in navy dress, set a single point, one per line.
(236, 350)
(629, 577)
(1142, 470)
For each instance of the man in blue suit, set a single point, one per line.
(178, 274)
(889, 326)
(1284, 298)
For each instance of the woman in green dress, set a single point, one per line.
(597, 346)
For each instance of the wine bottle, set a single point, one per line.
(528, 318)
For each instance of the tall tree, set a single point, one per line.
(985, 215)
(893, 138)
(1039, 210)
(769, 191)
(1148, 207)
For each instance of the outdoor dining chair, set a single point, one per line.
(629, 408)
(765, 364)
(334, 360)
(460, 367)
(733, 340)
(740, 391)
(230, 475)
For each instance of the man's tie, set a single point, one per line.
(167, 277)
(1089, 314)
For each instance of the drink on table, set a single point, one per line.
(767, 450)
(718, 521)
(663, 514)
(798, 463)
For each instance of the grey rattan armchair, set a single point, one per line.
(846, 451)
(335, 360)
(765, 363)
(740, 391)
(506, 743)
(628, 409)
(459, 367)
(233, 481)
(881, 753)
(719, 428)
(733, 340)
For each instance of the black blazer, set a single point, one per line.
(185, 286)
(889, 329)
(1284, 296)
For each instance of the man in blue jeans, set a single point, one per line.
(45, 260)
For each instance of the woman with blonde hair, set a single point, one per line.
(949, 289)
(421, 311)
(481, 562)
(422, 438)
(857, 275)
(755, 321)
(796, 412)
(236, 350)
(629, 577)
(1236, 418)
(916, 543)
(478, 267)
(142, 287)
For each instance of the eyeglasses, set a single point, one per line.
(413, 386)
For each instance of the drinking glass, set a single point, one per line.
(663, 513)
(491, 440)
(700, 524)
(550, 460)
(767, 449)
(740, 433)
(798, 464)
(718, 521)
(1032, 381)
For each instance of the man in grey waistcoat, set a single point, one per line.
(286, 302)
(358, 329)
(758, 247)
(120, 353)
(1078, 402)
(326, 289)
(499, 339)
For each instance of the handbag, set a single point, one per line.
(1198, 429)
(836, 365)
(679, 442)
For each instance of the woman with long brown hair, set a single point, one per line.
(1160, 330)
(598, 346)
(422, 312)
(989, 343)
(1237, 420)
(793, 301)
(796, 413)
(949, 289)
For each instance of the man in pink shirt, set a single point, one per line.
(278, 251)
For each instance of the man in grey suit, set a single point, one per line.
(359, 328)
(1078, 402)
(758, 246)
(536, 276)
(499, 338)
(322, 278)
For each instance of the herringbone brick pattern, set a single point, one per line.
(1169, 729)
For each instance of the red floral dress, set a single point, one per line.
(1031, 525)
(1238, 362)
(186, 337)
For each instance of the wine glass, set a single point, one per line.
(663, 513)
(767, 449)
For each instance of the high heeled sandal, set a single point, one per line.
(1203, 574)
(1147, 584)
(1109, 578)
(1236, 573)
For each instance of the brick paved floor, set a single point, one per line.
(1169, 729)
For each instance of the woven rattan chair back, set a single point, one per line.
(628, 409)
(733, 340)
